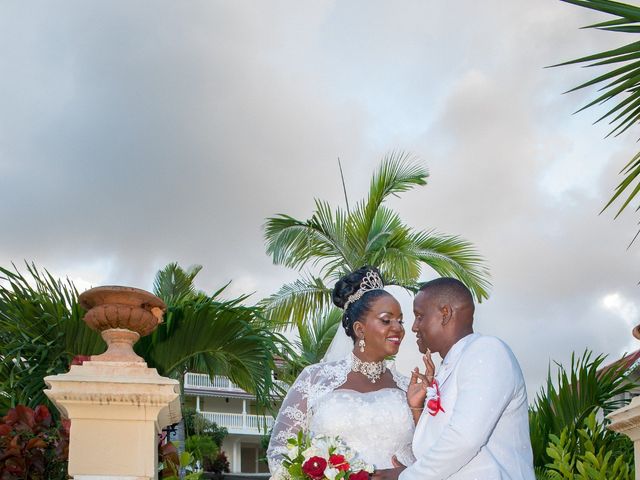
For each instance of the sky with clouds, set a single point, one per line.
(133, 134)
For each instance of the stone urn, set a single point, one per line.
(122, 315)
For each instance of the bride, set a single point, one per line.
(360, 396)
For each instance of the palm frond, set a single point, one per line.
(295, 302)
(623, 84)
(216, 338)
(174, 284)
(317, 334)
(41, 330)
(573, 395)
(397, 173)
(452, 256)
(293, 243)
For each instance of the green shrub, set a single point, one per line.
(589, 453)
(202, 447)
(32, 445)
(196, 424)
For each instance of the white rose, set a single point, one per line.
(292, 451)
(331, 473)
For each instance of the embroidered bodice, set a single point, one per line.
(375, 424)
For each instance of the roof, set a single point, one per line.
(629, 362)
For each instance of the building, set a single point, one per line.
(222, 402)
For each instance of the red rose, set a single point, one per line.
(361, 475)
(314, 467)
(339, 462)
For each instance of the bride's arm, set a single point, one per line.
(292, 417)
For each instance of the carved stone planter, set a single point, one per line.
(122, 315)
(116, 403)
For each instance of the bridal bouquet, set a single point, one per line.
(323, 458)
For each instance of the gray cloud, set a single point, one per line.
(132, 135)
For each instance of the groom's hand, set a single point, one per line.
(389, 473)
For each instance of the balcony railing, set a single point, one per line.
(240, 423)
(199, 381)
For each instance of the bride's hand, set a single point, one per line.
(417, 391)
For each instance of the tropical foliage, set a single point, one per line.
(619, 85)
(336, 240)
(589, 453)
(565, 405)
(206, 334)
(33, 445)
(312, 343)
(41, 330)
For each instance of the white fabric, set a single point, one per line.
(483, 434)
(316, 392)
(340, 346)
(377, 425)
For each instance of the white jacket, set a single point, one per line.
(483, 433)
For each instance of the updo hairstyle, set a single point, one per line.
(347, 286)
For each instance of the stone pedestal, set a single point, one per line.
(116, 411)
(116, 404)
(626, 420)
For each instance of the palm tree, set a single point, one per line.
(204, 334)
(622, 85)
(338, 241)
(41, 330)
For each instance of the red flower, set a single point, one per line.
(339, 462)
(80, 359)
(314, 467)
(361, 475)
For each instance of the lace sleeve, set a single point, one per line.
(292, 417)
(402, 381)
(405, 454)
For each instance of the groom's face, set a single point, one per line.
(428, 323)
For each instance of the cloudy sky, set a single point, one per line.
(133, 134)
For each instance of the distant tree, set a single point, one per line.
(338, 241)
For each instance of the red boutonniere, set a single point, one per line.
(433, 399)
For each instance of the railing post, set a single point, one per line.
(244, 414)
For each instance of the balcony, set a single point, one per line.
(199, 381)
(202, 382)
(240, 423)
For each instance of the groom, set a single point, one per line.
(482, 430)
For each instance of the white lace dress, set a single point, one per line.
(377, 425)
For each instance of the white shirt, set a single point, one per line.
(483, 434)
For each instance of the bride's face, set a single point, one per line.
(382, 328)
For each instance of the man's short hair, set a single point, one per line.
(448, 290)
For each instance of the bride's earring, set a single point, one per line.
(361, 344)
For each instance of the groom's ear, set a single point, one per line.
(446, 312)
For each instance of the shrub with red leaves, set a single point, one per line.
(32, 445)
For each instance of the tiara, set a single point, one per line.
(371, 281)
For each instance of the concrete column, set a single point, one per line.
(244, 414)
(237, 458)
(116, 411)
(198, 403)
(627, 420)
